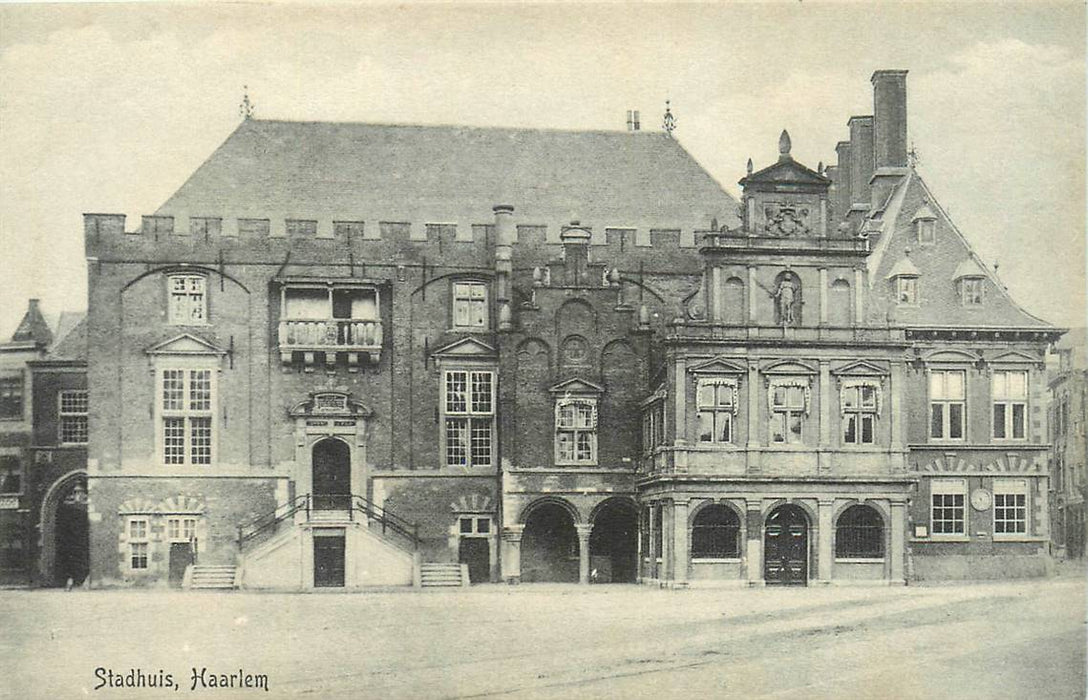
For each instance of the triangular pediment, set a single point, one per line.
(786, 171)
(951, 356)
(718, 365)
(577, 386)
(1015, 356)
(788, 367)
(466, 348)
(860, 368)
(185, 344)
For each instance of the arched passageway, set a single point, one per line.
(65, 532)
(613, 544)
(549, 545)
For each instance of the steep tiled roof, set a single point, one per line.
(938, 266)
(452, 174)
(71, 338)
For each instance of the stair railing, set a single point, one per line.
(390, 522)
(254, 527)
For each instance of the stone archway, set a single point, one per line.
(549, 545)
(65, 531)
(613, 543)
(331, 464)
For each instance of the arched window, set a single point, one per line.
(733, 311)
(715, 534)
(838, 303)
(859, 534)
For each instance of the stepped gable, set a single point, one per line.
(452, 174)
(938, 266)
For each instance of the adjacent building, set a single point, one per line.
(1069, 451)
(350, 354)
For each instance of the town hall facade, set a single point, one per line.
(350, 354)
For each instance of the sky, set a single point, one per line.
(108, 108)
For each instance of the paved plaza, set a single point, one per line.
(1000, 640)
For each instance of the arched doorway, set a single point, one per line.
(549, 545)
(331, 475)
(785, 546)
(65, 531)
(613, 543)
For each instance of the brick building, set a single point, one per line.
(1069, 443)
(345, 354)
(43, 435)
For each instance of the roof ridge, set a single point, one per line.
(464, 127)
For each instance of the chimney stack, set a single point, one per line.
(504, 248)
(841, 200)
(890, 118)
(632, 120)
(861, 160)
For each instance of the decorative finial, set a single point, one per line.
(912, 155)
(245, 109)
(749, 166)
(996, 266)
(784, 144)
(669, 125)
(820, 167)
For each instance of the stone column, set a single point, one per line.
(680, 542)
(668, 553)
(898, 525)
(583, 552)
(511, 553)
(755, 425)
(716, 294)
(825, 404)
(825, 550)
(751, 294)
(754, 545)
(895, 399)
(859, 297)
(652, 554)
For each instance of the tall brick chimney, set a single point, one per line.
(504, 248)
(861, 160)
(890, 118)
(889, 133)
(841, 195)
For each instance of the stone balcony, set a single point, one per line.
(352, 338)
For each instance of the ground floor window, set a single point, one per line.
(1010, 507)
(859, 534)
(715, 533)
(138, 543)
(947, 513)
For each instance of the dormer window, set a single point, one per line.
(906, 291)
(925, 225)
(971, 291)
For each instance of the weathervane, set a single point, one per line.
(245, 109)
(669, 125)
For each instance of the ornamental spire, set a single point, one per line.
(669, 125)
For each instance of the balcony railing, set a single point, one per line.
(730, 240)
(330, 336)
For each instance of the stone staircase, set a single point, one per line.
(433, 575)
(212, 576)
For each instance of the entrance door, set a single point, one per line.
(332, 475)
(181, 556)
(328, 561)
(785, 547)
(475, 552)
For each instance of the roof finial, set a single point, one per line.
(912, 155)
(749, 166)
(245, 109)
(669, 125)
(784, 145)
(820, 167)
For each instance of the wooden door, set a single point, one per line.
(328, 561)
(785, 550)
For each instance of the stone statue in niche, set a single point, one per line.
(786, 220)
(787, 300)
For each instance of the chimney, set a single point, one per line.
(861, 160)
(890, 118)
(632, 120)
(843, 187)
(889, 133)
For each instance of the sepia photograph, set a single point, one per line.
(543, 350)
